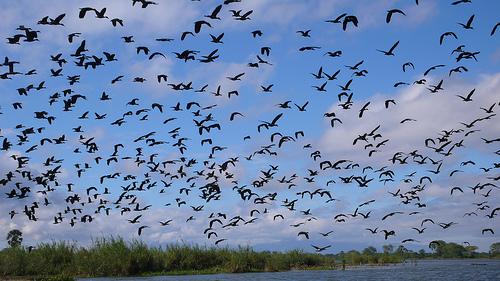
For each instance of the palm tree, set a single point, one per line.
(14, 238)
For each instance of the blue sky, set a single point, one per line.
(289, 70)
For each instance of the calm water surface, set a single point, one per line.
(469, 270)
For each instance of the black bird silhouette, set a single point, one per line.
(140, 229)
(320, 249)
(199, 24)
(237, 77)
(468, 97)
(391, 12)
(388, 233)
(337, 19)
(144, 3)
(217, 39)
(487, 230)
(304, 233)
(215, 12)
(234, 114)
(326, 233)
(461, 2)
(468, 25)
(494, 29)
(391, 214)
(363, 109)
(49, 21)
(304, 33)
(391, 50)
(349, 19)
(420, 231)
(446, 34)
(387, 102)
(219, 241)
(433, 68)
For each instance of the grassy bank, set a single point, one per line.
(115, 257)
(61, 261)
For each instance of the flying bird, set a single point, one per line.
(391, 12)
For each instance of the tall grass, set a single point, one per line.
(113, 256)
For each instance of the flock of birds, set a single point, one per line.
(202, 175)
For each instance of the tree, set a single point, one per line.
(453, 250)
(401, 250)
(14, 238)
(471, 250)
(437, 246)
(495, 249)
(355, 257)
(388, 249)
(421, 253)
(369, 251)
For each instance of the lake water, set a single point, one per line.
(467, 270)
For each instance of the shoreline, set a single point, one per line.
(115, 257)
(216, 271)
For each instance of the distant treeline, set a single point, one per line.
(440, 250)
(116, 257)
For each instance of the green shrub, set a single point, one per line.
(113, 256)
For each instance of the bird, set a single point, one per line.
(408, 240)
(388, 233)
(391, 12)
(140, 229)
(468, 24)
(309, 48)
(321, 88)
(304, 233)
(487, 230)
(256, 33)
(144, 3)
(215, 13)
(446, 34)
(408, 64)
(321, 249)
(234, 114)
(217, 39)
(389, 101)
(304, 33)
(337, 19)
(199, 24)
(391, 50)
(456, 188)
(391, 214)
(84, 11)
(420, 231)
(363, 109)
(236, 77)
(165, 223)
(468, 97)
(220, 241)
(267, 89)
(135, 220)
(433, 68)
(494, 29)
(461, 2)
(302, 107)
(114, 129)
(325, 234)
(349, 19)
